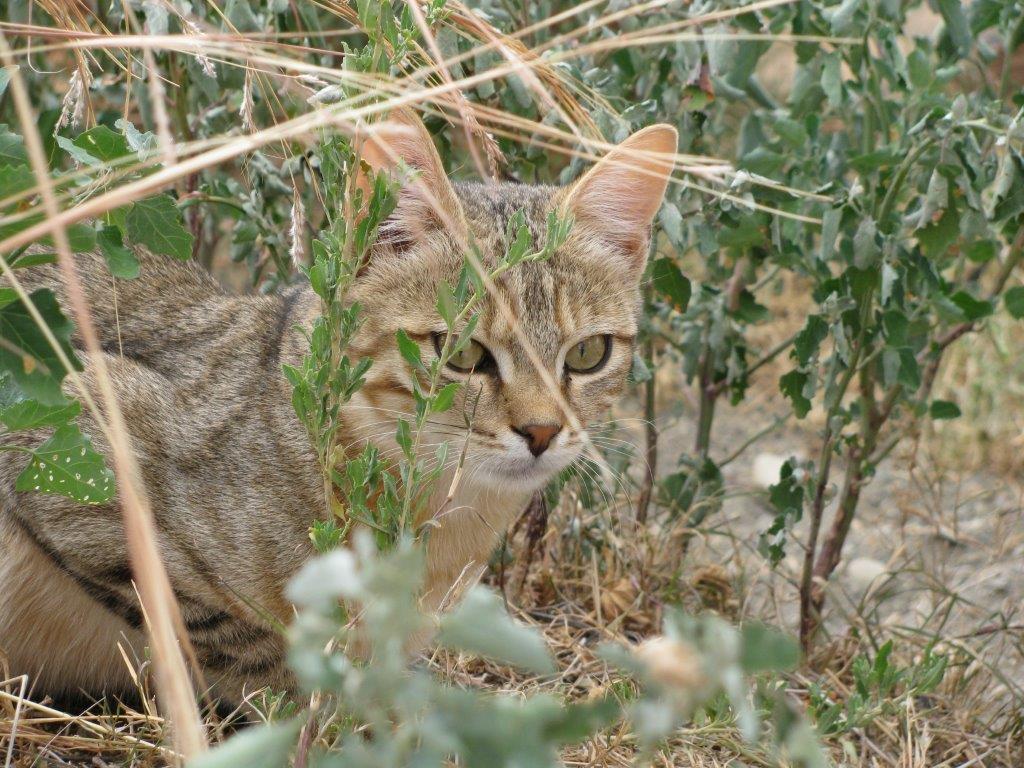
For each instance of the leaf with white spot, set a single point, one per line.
(67, 464)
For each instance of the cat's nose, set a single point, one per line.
(538, 436)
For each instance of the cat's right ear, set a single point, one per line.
(617, 199)
(427, 202)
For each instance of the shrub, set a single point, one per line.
(886, 184)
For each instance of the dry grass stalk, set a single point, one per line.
(573, 615)
(157, 596)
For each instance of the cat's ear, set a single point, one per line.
(617, 199)
(427, 201)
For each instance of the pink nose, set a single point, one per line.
(538, 436)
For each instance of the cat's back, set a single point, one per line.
(196, 370)
(141, 317)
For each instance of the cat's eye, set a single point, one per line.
(472, 357)
(588, 355)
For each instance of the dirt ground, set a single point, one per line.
(932, 552)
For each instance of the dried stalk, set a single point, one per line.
(155, 590)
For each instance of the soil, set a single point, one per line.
(932, 552)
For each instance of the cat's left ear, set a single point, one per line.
(618, 198)
(427, 202)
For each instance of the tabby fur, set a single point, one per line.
(230, 472)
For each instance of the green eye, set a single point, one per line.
(588, 355)
(472, 357)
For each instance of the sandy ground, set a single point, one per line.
(931, 551)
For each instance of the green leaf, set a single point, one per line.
(956, 24)
(265, 746)
(446, 305)
(748, 232)
(31, 414)
(142, 143)
(865, 244)
(120, 260)
(576, 722)
(1013, 299)
(102, 143)
(806, 343)
(896, 326)
(841, 17)
(944, 409)
(766, 649)
(445, 397)
(465, 335)
(670, 282)
(12, 148)
(5, 76)
(639, 372)
(936, 198)
(787, 498)
(787, 495)
(67, 464)
(25, 352)
(156, 223)
(937, 237)
(481, 625)
(672, 223)
(981, 251)
(910, 372)
(829, 232)
(403, 435)
(410, 350)
(15, 180)
(973, 309)
(748, 310)
(919, 69)
(81, 237)
(519, 237)
(792, 386)
(76, 153)
(831, 78)
(890, 277)
(873, 161)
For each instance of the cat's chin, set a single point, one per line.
(516, 473)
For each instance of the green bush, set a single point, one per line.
(886, 183)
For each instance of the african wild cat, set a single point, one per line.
(230, 473)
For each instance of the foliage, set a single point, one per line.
(33, 369)
(412, 718)
(880, 686)
(886, 183)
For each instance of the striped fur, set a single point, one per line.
(230, 472)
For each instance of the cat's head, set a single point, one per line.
(551, 351)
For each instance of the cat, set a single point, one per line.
(230, 472)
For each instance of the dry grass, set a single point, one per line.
(593, 580)
(594, 576)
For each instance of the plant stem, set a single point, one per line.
(650, 426)
(809, 617)
(775, 424)
(862, 455)
(708, 395)
(897, 181)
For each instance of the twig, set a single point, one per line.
(650, 425)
